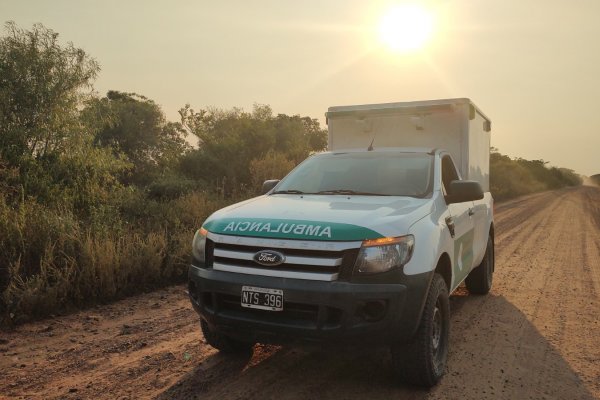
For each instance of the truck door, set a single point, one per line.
(481, 215)
(460, 222)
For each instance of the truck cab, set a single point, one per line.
(361, 245)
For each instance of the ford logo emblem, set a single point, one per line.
(269, 258)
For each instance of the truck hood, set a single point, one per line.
(318, 217)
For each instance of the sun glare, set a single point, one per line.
(406, 27)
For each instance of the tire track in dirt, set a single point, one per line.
(533, 300)
(504, 381)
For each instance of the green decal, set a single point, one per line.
(463, 253)
(290, 229)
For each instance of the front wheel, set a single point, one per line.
(422, 361)
(479, 280)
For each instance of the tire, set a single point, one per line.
(423, 360)
(224, 343)
(479, 280)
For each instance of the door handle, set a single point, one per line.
(471, 212)
(450, 224)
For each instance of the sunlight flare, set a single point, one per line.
(406, 27)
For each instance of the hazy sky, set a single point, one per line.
(532, 66)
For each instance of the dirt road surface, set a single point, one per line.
(535, 336)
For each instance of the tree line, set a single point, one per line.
(512, 177)
(100, 195)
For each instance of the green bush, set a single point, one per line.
(170, 187)
(516, 177)
(271, 166)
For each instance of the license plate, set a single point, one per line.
(262, 298)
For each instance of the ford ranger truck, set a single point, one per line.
(360, 244)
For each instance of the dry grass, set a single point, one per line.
(52, 262)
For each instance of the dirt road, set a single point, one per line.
(535, 336)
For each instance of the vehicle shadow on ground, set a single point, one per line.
(495, 353)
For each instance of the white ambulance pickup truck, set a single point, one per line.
(361, 244)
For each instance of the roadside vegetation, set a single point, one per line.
(512, 177)
(596, 179)
(100, 195)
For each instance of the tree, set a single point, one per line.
(134, 125)
(229, 141)
(42, 87)
(41, 84)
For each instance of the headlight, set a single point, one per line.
(199, 245)
(384, 254)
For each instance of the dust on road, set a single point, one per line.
(536, 335)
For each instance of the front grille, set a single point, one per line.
(285, 267)
(287, 252)
(320, 264)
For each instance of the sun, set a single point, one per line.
(406, 27)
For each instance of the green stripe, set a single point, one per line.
(290, 229)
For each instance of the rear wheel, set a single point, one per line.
(422, 361)
(479, 280)
(224, 343)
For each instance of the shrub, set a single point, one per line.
(272, 166)
(170, 187)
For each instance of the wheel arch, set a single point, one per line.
(444, 268)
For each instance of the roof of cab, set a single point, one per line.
(427, 150)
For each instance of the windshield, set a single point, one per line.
(369, 173)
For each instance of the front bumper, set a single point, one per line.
(313, 311)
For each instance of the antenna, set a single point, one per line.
(370, 148)
(366, 126)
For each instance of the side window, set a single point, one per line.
(449, 173)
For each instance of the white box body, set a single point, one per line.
(455, 125)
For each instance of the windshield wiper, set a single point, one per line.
(350, 191)
(333, 191)
(289, 191)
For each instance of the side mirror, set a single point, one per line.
(461, 191)
(268, 185)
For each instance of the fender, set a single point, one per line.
(434, 240)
